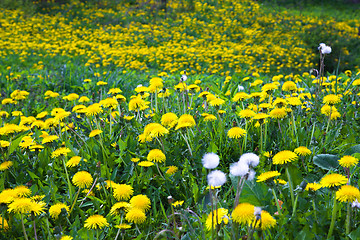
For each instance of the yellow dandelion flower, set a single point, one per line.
(156, 155)
(236, 132)
(96, 222)
(4, 224)
(243, 213)
(266, 221)
(140, 202)
(246, 113)
(209, 118)
(332, 180)
(284, 157)
(95, 132)
(82, 179)
(185, 121)
(22, 191)
(177, 203)
(135, 215)
(56, 209)
(278, 113)
(122, 192)
(93, 109)
(60, 151)
(240, 96)
(73, 162)
(216, 102)
(331, 99)
(6, 165)
(171, 170)
(49, 138)
(289, 86)
(117, 207)
(313, 186)
(347, 193)
(216, 218)
(146, 164)
(348, 161)
(302, 151)
(123, 226)
(66, 237)
(267, 175)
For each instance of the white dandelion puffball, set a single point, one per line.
(250, 158)
(216, 178)
(239, 169)
(210, 160)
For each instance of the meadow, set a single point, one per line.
(200, 120)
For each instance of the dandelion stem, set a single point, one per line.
(23, 227)
(294, 129)
(238, 190)
(348, 219)
(157, 166)
(333, 219)
(290, 187)
(117, 234)
(187, 143)
(72, 206)
(276, 201)
(67, 177)
(35, 234)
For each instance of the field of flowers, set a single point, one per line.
(116, 125)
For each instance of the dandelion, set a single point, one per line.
(55, 210)
(146, 164)
(66, 237)
(278, 113)
(209, 118)
(93, 109)
(49, 139)
(95, 132)
(348, 161)
(185, 121)
(324, 49)
(6, 165)
(302, 151)
(240, 96)
(171, 170)
(135, 215)
(331, 99)
(347, 193)
(246, 113)
(60, 151)
(216, 178)
(267, 175)
(289, 86)
(243, 213)
(216, 217)
(332, 180)
(266, 221)
(117, 207)
(284, 157)
(73, 162)
(4, 224)
(82, 179)
(313, 186)
(250, 159)
(22, 191)
(177, 203)
(169, 119)
(122, 192)
(4, 144)
(210, 160)
(123, 226)
(96, 222)
(156, 155)
(239, 169)
(141, 202)
(236, 132)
